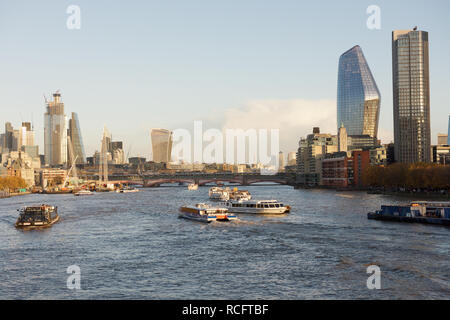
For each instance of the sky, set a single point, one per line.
(137, 65)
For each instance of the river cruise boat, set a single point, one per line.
(204, 213)
(83, 192)
(33, 217)
(257, 206)
(236, 194)
(427, 212)
(192, 186)
(219, 194)
(127, 189)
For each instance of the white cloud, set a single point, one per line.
(294, 118)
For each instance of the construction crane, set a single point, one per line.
(73, 160)
(68, 173)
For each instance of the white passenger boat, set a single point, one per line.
(83, 192)
(256, 206)
(219, 194)
(240, 195)
(205, 213)
(192, 186)
(127, 190)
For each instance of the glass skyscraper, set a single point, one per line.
(411, 93)
(77, 140)
(161, 145)
(358, 98)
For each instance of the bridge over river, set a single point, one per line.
(245, 179)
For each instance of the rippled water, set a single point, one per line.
(134, 246)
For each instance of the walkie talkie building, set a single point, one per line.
(358, 98)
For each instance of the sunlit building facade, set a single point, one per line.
(55, 132)
(77, 140)
(411, 93)
(358, 97)
(161, 145)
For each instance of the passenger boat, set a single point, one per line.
(127, 190)
(204, 213)
(84, 192)
(256, 206)
(417, 211)
(219, 194)
(192, 186)
(236, 194)
(37, 217)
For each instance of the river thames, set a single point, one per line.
(134, 246)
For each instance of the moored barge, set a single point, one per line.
(416, 212)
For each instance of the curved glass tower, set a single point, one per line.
(358, 99)
(77, 141)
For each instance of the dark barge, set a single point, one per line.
(35, 217)
(416, 212)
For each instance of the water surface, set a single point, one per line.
(134, 246)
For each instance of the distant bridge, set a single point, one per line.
(244, 179)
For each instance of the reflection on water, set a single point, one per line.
(134, 246)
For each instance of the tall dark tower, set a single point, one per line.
(411, 93)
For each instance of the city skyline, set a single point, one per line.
(210, 83)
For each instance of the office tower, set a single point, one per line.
(411, 93)
(116, 145)
(310, 153)
(76, 139)
(104, 156)
(161, 145)
(118, 155)
(342, 139)
(26, 135)
(11, 138)
(442, 139)
(280, 161)
(55, 132)
(292, 158)
(358, 99)
(448, 134)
